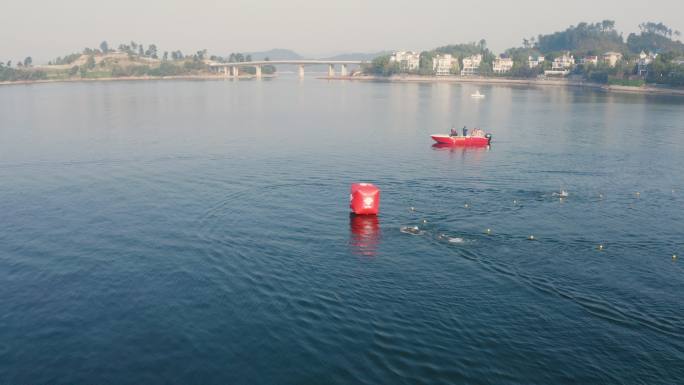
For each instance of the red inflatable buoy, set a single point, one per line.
(364, 199)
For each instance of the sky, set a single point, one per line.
(314, 28)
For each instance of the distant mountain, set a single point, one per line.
(287, 54)
(358, 56)
(275, 54)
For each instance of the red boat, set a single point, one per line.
(463, 140)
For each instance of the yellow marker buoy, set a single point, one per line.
(601, 247)
(466, 205)
(674, 257)
(638, 194)
(412, 208)
(530, 238)
(424, 221)
(488, 231)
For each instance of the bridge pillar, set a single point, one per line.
(225, 72)
(344, 71)
(236, 71)
(301, 70)
(258, 72)
(331, 70)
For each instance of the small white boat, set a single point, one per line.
(477, 95)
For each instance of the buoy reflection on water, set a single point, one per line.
(364, 234)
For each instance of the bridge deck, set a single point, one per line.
(296, 62)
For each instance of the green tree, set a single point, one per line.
(654, 37)
(425, 63)
(201, 54)
(141, 51)
(166, 56)
(28, 61)
(151, 51)
(381, 66)
(104, 47)
(90, 63)
(583, 39)
(73, 70)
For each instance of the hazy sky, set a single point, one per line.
(47, 29)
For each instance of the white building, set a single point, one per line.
(587, 60)
(644, 61)
(444, 64)
(535, 61)
(564, 62)
(408, 60)
(612, 58)
(561, 65)
(502, 65)
(471, 65)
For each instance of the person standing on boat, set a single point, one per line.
(454, 131)
(465, 131)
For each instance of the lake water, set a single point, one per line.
(178, 232)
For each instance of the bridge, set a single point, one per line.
(233, 69)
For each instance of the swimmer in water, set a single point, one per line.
(413, 230)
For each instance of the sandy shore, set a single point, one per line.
(130, 78)
(518, 82)
(652, 90)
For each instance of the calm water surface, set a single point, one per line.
(185, 232)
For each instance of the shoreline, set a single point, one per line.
(645, 90)
(134, 78)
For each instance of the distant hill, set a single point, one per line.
(584, 38)
(276, 54)
(653, 42)
(358, 56)
(287, 54)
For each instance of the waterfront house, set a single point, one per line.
(502, 65)
(561, 65)
(589, 60)
(563, 62)
(444, 64)
(408, 60)
(471, 65)
(612, 58)
(645, 59)
(535, 61)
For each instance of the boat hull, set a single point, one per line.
(461, 140)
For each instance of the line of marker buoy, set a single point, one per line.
(365, 200)
(415, 230)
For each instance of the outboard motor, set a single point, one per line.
(489, 138)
